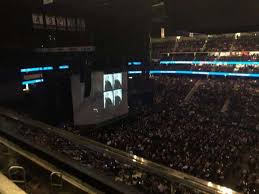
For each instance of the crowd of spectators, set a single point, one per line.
(212, 44)
(195, 137)
(247, 43)
(93, 162)
(186, 129)
(190, 45)
(205, 127)
(219, 44)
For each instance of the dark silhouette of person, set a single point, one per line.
(108, 102)
(108, 85)
(117, 84)
(118, 100)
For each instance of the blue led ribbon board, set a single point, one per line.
(226, 74)
(32, 81)
(63, 67)
(135, 63)
(134, 72)
(33, 69)
(209, 62)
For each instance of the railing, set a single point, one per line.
(141, 172)
(10, 151)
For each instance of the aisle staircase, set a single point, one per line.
(232, 47)
(193, 90)
(175, 46)
(225, 107)
(204, 46)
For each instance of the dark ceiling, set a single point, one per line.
(213, 15)
(187, 15)
(117, 19)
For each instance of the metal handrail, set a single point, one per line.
(54, 184)
(17, 169)
(81, 185)
(58, 184)
(139, 162)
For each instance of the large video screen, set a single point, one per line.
(117, 80)
(113, 83)
(108, 98)
(108, 82)
(117, 94)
